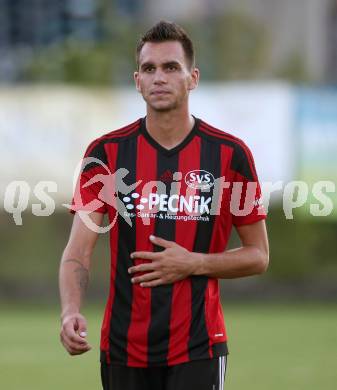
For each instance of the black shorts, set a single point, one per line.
(196, 375)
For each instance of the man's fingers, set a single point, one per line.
(142, 268)
(153, 255)
(70, 347)
(145, 278)
(74, 347)
(74, 351)
(152, 283)
(145, 255)
(70, 332)
(82, 327)
(161, 242)
(77, 339)
(73, 333)
(74, 339)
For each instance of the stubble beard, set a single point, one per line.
(170, 106)
(166, 108)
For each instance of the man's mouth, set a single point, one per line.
(160, 92)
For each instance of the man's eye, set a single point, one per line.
(172, 67)
(149, 69)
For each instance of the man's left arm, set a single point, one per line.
(176, 263)
(250, 259)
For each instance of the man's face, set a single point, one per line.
(164, 77)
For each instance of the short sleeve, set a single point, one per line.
(88, 193)
(246, 198)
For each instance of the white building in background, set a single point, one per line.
(47, 129)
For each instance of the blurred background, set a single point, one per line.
(268, 75)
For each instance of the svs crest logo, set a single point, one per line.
(199, 179)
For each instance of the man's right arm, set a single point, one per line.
(73, 282)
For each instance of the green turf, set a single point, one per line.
(288, 347)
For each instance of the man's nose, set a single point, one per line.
(160, 76)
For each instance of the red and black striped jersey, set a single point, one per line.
(192, 194)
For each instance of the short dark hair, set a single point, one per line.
(168, 31)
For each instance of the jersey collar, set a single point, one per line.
(162, 149)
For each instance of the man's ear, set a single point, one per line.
(136, 78)
(194, 80)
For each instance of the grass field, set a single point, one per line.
(280, 347)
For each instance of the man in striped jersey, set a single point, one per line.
(173, 187)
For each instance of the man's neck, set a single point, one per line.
(169, 129)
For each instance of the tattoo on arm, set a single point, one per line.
(82, 274)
